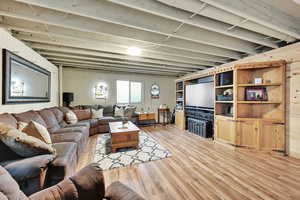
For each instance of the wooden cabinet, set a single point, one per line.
(247, 133)
(272, 136)
(180, 119)
(225, 130)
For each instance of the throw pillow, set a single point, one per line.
(129, 111)
(71, 118)
(97, 114)
(119, 111)
(23, 144)
(37, 130)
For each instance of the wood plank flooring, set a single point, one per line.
(201, 169)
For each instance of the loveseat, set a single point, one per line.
(87, 184)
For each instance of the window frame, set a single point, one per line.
(129, 100)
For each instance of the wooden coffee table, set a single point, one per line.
(123, 137)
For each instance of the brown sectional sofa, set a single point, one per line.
(70, 141)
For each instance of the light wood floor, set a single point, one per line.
(200, 169)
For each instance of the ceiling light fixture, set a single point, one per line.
(134, 51)
(297, 1)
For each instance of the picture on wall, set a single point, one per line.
(101, 91)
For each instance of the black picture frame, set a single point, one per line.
(8, 57)
(256, 94)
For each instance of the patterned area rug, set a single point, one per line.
(149, 150)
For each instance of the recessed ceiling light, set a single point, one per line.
(134, 51)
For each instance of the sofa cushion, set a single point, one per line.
(65, 163)
(29, 172)
(37, 130)
(30, 116)
(82, 114)
(106, 120)
(92, 122)
(80, 138)
(50, 119)
(59, 116)
(108, 110)
(8, 119)
(9, 188)
(22, 144)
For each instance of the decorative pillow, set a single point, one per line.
(129, 111)
(23, 144)
(82, 114)
(36, 130)
(71, 118)
(97, 114)
(119, 111)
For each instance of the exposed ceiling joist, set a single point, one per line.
(111, 62)
(70, 62)
(227, 17)
(111, 69)
(113, 13)
(157, 8)
(261, 13)
(97, 47)
(119, 66)
(51, 17)
(104, 56)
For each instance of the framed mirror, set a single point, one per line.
(23, 81)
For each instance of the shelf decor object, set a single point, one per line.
(256, 94)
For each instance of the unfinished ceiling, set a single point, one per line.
(176, 36)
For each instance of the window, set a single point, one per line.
(129, 92)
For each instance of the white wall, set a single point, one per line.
(82, 82)
(19, 48)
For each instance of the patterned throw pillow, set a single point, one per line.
(119, 111)
(37, 130)
(129, 111)
(71, 118)
(97, 114)
(23, 144)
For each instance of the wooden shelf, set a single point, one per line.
(259, 102)
(224, 101)
(224, 116)
(224, 86)
(263, 84)
(265, 119)
(179, 91)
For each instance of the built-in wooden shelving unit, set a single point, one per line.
(252, 124)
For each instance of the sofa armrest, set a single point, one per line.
(118, 191)
(87, 184)
(26, 168)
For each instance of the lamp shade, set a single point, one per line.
(68, 96)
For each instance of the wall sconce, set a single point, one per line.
(101, 91)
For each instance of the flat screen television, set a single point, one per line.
(200, 95)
